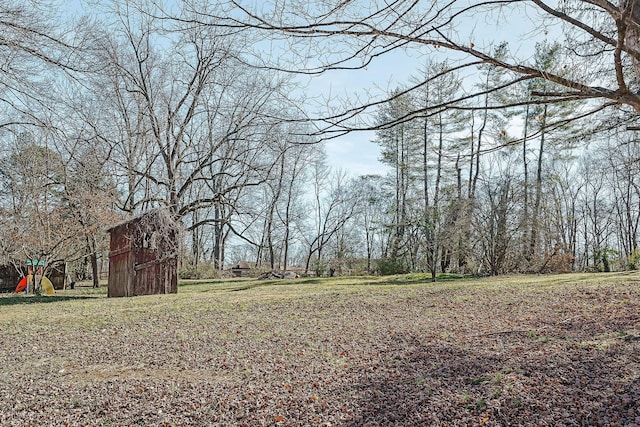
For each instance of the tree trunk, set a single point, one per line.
(525, 203)
(485, 118)
(435, 219)
(195, 241)
(535, 222)
(91, 244)
(217, 240)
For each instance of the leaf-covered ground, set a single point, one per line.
(530, 350)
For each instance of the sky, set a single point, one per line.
(356, 152)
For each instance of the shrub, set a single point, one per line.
(200, 271)
(633, 260)
(390, 266)
(319, 267)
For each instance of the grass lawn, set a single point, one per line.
(514, 350)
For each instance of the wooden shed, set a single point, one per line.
(143, 256)
(9, 278)
(57, 274)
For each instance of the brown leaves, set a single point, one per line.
(449, 355)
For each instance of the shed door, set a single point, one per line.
(147, 278)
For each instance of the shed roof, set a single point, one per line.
(160, 213)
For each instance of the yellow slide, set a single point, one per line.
(47, 286)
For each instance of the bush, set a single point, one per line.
(200, 271)
(391, 266)
(319, 267)
(633, 260)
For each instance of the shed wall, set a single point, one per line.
(120, 262)
(9, 278)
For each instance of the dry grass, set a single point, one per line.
(517, 350)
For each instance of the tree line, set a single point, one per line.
(497, 163)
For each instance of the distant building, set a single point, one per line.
(241, 269)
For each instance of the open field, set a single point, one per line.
(520, 350)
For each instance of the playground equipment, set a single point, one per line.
(31, 279)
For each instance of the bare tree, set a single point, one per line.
(597, 210)
(191, 127)
(35, 49)
(597, 39)
(282, 197)
(622, 175)
(90, 194)
(494, 221)
(371, 209)
(334, 206)
(35, 209)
